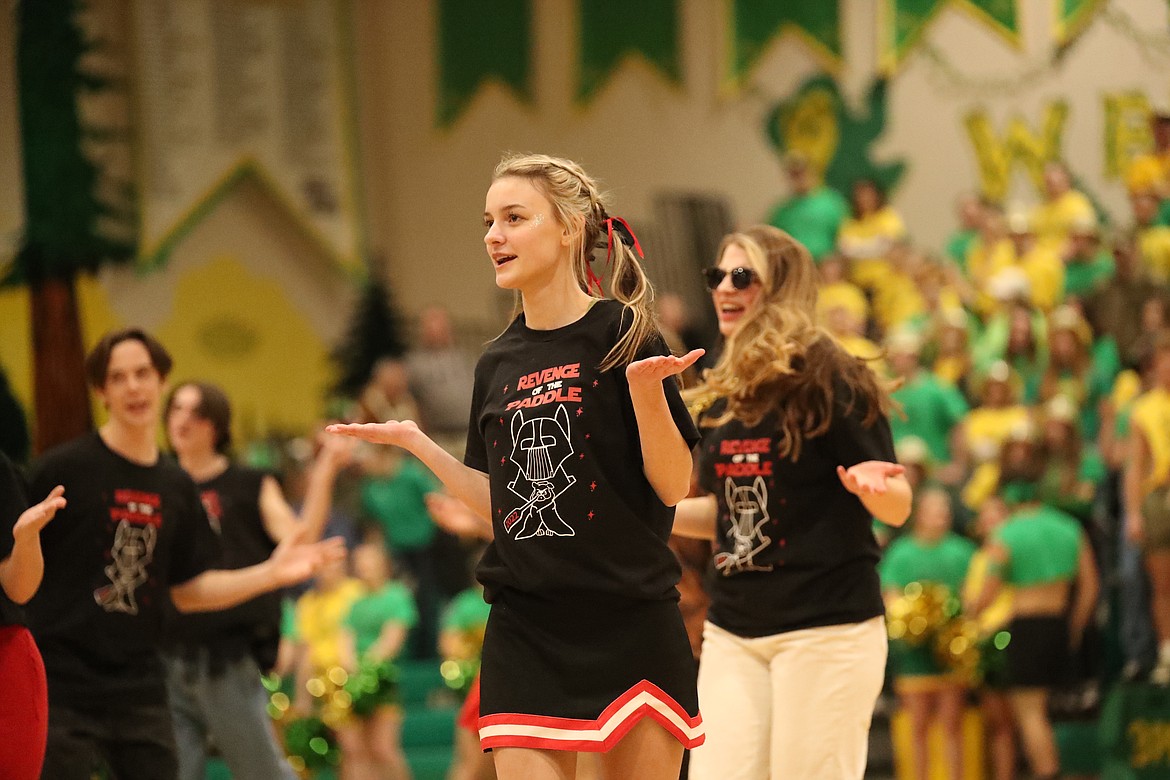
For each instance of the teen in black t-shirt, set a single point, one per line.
(797, 458)
(24, 707)
(133, 536)
(215, 659)
(578, 448)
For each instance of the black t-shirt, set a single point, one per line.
(793, 549)
(572, 509)
(12, 505)
(232, 503)
(127, 534)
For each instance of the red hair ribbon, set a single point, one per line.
(625, 235)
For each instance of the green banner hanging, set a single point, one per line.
(755, 23)
(1072, 17)
(901, 23)
(479, 41)
(611, 29)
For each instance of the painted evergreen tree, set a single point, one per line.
(375, 331)
(67, 226)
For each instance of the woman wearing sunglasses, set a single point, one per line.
(797, 458)
(579, 447)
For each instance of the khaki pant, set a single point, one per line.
(793, 706)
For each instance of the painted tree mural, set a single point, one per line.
(69, 229)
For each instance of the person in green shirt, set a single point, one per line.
(814, 211)
(930, 408)
(930, 554)
(393, 496)
(373, 635)
(1087, 265)
(1041, 552)
(969, 209)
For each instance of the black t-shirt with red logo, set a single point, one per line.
(793, 549)
(572, 509)
(12, 505)
(232, 502)
(127, 534)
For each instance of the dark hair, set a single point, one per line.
(213, 407)
(97, 362)
(880, 191)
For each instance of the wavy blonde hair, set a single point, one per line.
(579, 205)
(779, 359)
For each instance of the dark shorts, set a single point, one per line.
(578, 673)
(135, 741)
(1038, 653)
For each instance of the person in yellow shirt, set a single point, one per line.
(320, 616)
(950, 349)
(1062, 208)
(1151, 172)
(1146, 494)
(867, 237)
(897, 300)
(836, 291)
(990, 253)
(1041, 264)
(1153, 239)
(979, 437)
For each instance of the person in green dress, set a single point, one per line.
(930, 554)
(930, 408)
(1042, 553)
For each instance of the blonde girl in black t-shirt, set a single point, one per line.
(797, 458)
(579, 447)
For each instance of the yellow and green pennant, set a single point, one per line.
(754, 23)
(613, 29)
(478, 41)
(1072, 17)
(902, 23)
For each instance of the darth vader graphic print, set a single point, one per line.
(748, 505)
(540, 448)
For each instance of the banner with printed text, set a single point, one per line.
(228, 91)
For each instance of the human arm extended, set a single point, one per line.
(881, 488)
(1088, 588)
(280, 519)
(292, 561)
(463, 482)
(22, 570)
(666, 457)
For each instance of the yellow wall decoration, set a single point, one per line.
(1019, 145)
(1127, 130)
(240, 331)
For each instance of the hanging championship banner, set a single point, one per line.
(902, 23)
(754, 23)
(258, 91)
(1072, 17)
(478, 41)
(611, 29)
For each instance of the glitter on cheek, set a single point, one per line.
(538, 220)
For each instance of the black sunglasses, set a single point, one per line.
(741, 278)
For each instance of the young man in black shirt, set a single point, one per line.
(133, 536)
(214, 660)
